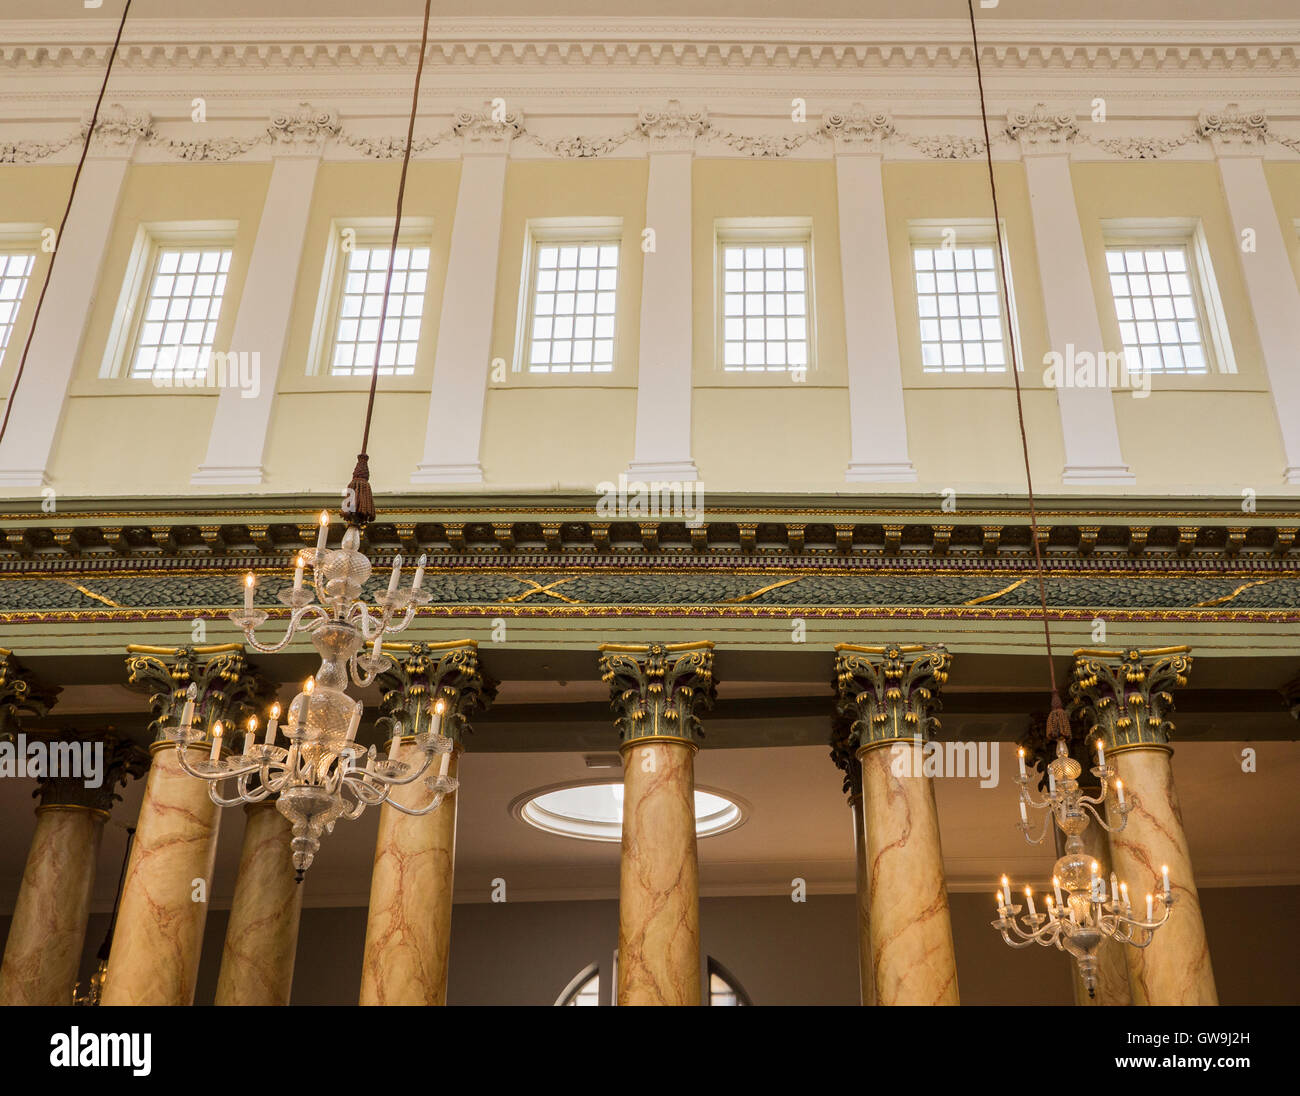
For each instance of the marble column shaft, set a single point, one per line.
(48, 929)
(911, 928)
(408, 929)
(262, 935)
(1174, 969)
(658, 905)
(866, 973)
(155, 954)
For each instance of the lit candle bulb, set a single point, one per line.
(395, 576)
(1114, 888)
(250, 737)
(1051, 909)
(1150, 911)
(1164, 872)
(1094, 881)
(323, 535)
(1024, 818)
(1056, 886)
(1029, 897)
(216, 741)
(419, 574)
(1022, 763)
(1051, 782)
(439, 706)
(1119, 791)
(1123, 893)
(297, 575)
(273, 725)
(1002, 904)
(355, 722)
(249, 582)
(1006, 887)
(1101, 753)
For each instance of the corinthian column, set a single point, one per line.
(843, 756)
(1124, 697)
(262, 934)
(155, 954)
(887, 693)
(408, 931)
(658, 691)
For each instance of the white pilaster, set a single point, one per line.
(1238, 141)
(877, 423)
(462, 358)
(56, 343)
(237, 443)
(665, 359)
(1090, 433)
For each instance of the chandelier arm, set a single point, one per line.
(1102, 821)
(429, 808)
(1028, 797)
(406, 620)
(395, 782)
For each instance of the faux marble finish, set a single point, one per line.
(48, 928)
(658, 902)
(262, 935)
(408, 931)
(155, 956)
(1112, 964)
(911, 930)
(1175, 968)
(866, 977)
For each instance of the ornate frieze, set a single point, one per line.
(889, 693)
(423, 674)
(1124, 696)
(1233, 126)
(118, 129)
(229, 689)
(492, 125)
(659, 690)
(1040, 127)
(305, 128)
(672, 128)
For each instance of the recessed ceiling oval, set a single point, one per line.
(593, 810)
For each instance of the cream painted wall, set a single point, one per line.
(32, 197)
(121, 437)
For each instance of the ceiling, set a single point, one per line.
(322, 10)
(1242, 829)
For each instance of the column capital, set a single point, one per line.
(301, 130)
(1040, 130)
(22, 696)
(118, 130)
(489, 130)
(1123, 696)
(659, 689)
(229, 689)
(427, 673)
(672, 128)
(857, 129)
(119, 760)
(1233, 131)
(889, 693)
(845, 757)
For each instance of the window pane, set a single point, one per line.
(363, 295)
(186, 290)
(959, 285)
(577, 285)
(1159, 325)
(765, 328)
(15, 270)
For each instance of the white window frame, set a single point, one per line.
(541, 232)
(128, 315)
(766, 232)
(20, 239)
(365, 232)
(967, 232)
(1185, 232)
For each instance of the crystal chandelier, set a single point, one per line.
(1082, 912)
(321, 774)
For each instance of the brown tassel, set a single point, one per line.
(359, 505)
(1058, 721)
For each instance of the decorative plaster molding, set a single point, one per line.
(580, 147)
(118, 128)
(390, 147)
(31, 152)
(303, 129)
(857, 127)
(1041, 126)
(1233, 126)
(490, 125)
(673, 128)
(946, 146)
(1139, 148)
